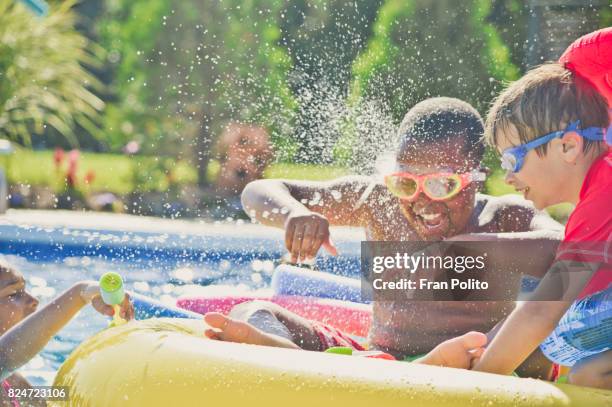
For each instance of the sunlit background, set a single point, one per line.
(169, 107)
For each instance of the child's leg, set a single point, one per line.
(264, 323)
(594, 371)
(228, 329)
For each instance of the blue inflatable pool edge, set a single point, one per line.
(293, 280)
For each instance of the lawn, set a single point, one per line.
(122, 174)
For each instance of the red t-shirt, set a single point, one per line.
(588, 232)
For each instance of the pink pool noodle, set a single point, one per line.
(352, 318)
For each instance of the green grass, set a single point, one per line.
(115, 173)
(112, 172)
(306, 172)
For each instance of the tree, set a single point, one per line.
(43, 82)
(426, 48)
(208, 63)
(422, 49)
(129, 32)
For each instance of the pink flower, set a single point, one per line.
(73, 158)
(58, 157)
(73, 163)
(90, 177)
(131, 148)
(71, 180)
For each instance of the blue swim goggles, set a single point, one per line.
(513, 158)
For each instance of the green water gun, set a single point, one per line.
(112, 292)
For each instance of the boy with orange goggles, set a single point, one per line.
(435, 197)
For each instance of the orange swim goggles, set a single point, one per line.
(437, 186)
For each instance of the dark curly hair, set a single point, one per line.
(441, 119)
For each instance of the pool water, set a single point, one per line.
(167, 261)
(45, 280)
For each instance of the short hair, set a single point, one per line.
(544, 100)
(441, 119)
(6, 269)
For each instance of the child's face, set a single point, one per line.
(435, 220)
(538, 179)
(15, 302)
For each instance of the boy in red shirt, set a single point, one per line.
(550, 128)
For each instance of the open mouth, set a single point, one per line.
(431, 220)
(523, 191)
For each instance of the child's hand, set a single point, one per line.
(305, 233)
(90, 293)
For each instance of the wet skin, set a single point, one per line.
(409, 328)
(416, 327)
(25, 331)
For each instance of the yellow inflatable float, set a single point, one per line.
(168, 362)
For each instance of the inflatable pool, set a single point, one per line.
(293, 280)
(161, 362)
(315, 295)
(352, 318)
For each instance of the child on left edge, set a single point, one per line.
(24, 330)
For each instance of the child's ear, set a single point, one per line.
(570, 147)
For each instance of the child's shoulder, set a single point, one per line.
(510, 213)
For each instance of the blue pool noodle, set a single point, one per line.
(145, 307)
(292, 280)
(39, 7)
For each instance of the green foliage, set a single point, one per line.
(323, 37)
(42, 78)
(511, 19)
(606, 17)
(185, 68)
(426, 48)
(123, 174)
(129, 32)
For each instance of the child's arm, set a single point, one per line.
(306, 209)
(26, 339)
(532, 321)
(528, 238)
(272, 201)
(526, 327)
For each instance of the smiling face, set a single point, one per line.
(538, 179)
(435, 220)
(15, 302)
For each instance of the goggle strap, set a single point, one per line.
(592, 133)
